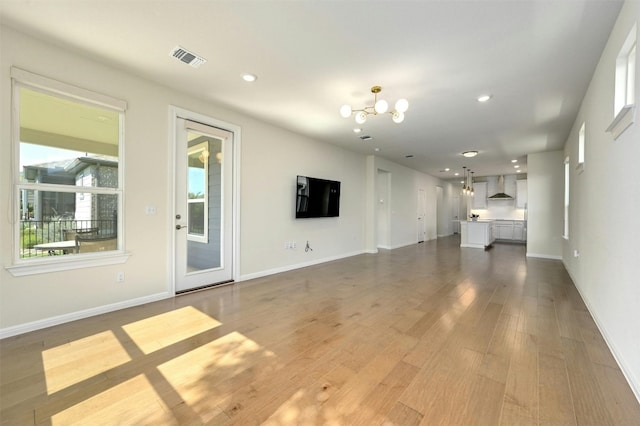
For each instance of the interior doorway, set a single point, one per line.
(383, 233)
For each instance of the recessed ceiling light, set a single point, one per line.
(376, 149)
(514, 161)
(357, 130)
(456, 174)
(484, 98)
(249, 77)
(461, 181)
(447, 169)
(470, 154)
(517, 166)
(519, 171)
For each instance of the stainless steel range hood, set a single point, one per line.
(500, 195)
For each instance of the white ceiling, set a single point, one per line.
(535, 57)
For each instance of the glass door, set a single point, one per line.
(203, 211)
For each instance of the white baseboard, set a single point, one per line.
(409, 243)
(634, 382)
(286, 268)
(544, 256)
(73, 316)
(478, 246)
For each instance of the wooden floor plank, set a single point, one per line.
(429, 334)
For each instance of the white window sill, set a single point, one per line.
(76, 261)
(622, 120)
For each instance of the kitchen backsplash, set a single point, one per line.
(496, 210)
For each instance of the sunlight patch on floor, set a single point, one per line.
(160, 331)
(81, 359)
(132, 402)
(196, 375)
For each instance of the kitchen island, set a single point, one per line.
(476, 233)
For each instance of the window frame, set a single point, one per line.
(624, 101)
(27, 266)
(567, 198)
(581, 147)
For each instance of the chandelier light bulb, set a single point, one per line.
(381, 106)
(345, 111)
(397, 117)
(402, 105)
(361, 117)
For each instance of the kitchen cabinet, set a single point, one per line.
(476, 234)
(510, 230)
(479, 200)
(504, 229)
(521, 194)
(519, 232)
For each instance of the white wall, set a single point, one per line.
(405, 183)
(270, 160)
(545, 173)
(604, 200)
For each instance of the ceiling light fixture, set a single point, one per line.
(380, 106)
(471, 189)
(447, 169)
(484, 98)
(514, 161)
(357, 130)
(250, 78)
(517, 166)
(470, 154)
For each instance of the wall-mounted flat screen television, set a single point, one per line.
(317, 197)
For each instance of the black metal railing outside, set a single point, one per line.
(34, 232)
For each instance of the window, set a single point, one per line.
(626, 73)
(198, 186)
(625, 84)
(565, 232)
(581, 142)
(69, 188)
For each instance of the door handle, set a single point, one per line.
(179, 227)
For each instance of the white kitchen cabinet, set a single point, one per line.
(504, 229)
(479, 200)
(476, 234)
(521, 194)
(518, 231)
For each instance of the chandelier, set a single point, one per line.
(380, 106)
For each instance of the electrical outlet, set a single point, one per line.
(120, 277)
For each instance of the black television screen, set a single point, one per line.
(317, 197)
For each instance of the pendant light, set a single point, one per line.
(464, 180)
(472, 184)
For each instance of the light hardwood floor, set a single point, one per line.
(423, 335)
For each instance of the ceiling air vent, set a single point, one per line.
(187, 57)
(366, 138)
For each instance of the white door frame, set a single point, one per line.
(174, 114)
